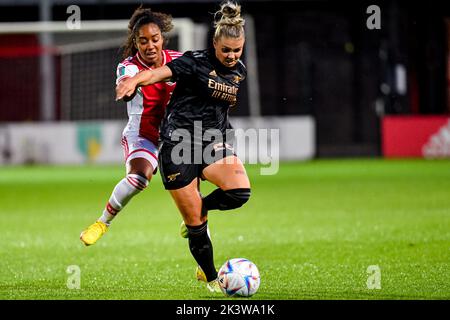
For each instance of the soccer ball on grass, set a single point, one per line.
(239, 277)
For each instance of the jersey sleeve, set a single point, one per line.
(182, 67)
(125, 71)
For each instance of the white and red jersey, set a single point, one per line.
(146, 109)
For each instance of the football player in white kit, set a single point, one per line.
(146, 106)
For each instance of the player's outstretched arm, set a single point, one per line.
(128, 86)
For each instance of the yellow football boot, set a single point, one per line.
(212, 286)
(93, 233)
(183, 230)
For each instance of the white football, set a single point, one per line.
(239, 277)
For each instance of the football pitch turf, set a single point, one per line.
(325, 229)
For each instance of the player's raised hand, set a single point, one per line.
(125, 88)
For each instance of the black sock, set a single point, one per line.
(226, 200)
(213, 200)
(202, 249)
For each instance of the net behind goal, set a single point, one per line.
(57, 73)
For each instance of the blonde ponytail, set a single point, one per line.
(228, 21)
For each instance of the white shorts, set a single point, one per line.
(135, 146)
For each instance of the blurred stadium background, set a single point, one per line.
(315, 61)
(335, 89)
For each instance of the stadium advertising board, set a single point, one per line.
(416, 136)
(264, 140)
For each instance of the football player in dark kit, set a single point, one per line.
(207, 85)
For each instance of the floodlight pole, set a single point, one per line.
(46, 67)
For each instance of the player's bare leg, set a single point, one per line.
(183, 229)
(234, 187)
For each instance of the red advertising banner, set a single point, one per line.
(416, 136)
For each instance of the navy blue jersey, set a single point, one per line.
(205, 91)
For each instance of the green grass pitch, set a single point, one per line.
(313, 230)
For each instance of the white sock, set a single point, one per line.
(126, 189)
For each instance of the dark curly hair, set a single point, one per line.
(141, 17)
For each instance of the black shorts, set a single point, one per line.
(180, 164)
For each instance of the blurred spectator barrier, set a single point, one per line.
(258, 140)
